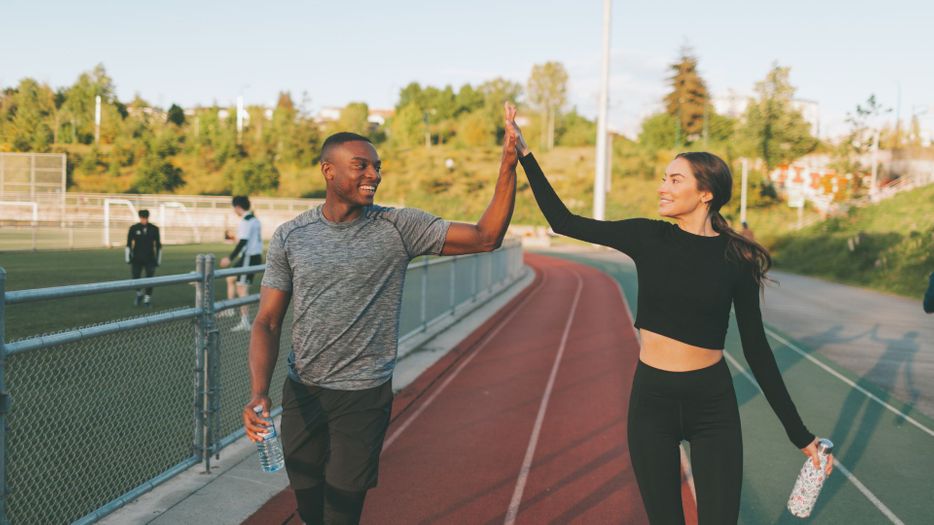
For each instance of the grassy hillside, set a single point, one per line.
(419, 178)
(894, 252)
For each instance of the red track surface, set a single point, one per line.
(462, 430)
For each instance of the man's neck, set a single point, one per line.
(336, 211)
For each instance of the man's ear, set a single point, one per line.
(327, 169)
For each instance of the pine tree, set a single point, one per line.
(688, 98)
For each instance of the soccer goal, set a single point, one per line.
(16, 216)
(110, 216)
(165, 224)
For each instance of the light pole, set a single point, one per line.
(875, 163)
(599, 186)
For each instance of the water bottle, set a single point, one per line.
(810, 481)
(270, 450)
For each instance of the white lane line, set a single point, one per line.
(513, 511)
(836, 462)
(398, 432)
(846, 380)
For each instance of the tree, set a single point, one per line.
(659, 132)
(406, 128)
(26, 116)
(772, 128)
(176, 115)
(354, 118)
(252, 176)
(576, 130)
(547, 89)
(865, 123)
(79, 105)
(468, 99)
(157, 175)
(688, 100)
(495, 92)
(476, 130)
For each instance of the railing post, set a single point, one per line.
(425, 295)
(4, 402)
(476, 276)
(199, 445)
(453, 283)
(212, 366)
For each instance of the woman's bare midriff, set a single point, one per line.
(669, 354)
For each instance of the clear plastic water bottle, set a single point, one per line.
(809, 483)
(270, 449)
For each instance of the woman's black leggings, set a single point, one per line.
(699, 407)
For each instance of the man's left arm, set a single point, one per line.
(488, 233)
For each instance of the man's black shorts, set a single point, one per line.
(247, 260)
(334, 435)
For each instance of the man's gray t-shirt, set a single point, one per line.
(346, 283)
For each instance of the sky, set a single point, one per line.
(200, 52)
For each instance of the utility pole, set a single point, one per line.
(599, 187)
(97, 119)
(875, 159)
(239, 119)
(609, 161)
(742, 199)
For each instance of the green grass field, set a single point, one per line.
(26, 270)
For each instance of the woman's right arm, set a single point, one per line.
(562, 221)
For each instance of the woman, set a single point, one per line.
(690, 273)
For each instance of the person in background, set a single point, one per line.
(247, 252)
(143, 252)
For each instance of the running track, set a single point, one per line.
(523, 422)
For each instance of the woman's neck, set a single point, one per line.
(698, 223)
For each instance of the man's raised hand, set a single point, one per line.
(510, 138)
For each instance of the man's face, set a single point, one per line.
(352, 172)
(239, 211)
(144, 220)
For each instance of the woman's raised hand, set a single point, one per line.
(513, 133)
(510, 136)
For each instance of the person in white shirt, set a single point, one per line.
(247, 252)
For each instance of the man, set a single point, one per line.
(342, 265)
(929, 296)
(247, 252)
(143, 252)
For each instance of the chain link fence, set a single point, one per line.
(101, 414)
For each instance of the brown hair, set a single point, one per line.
(714, 175)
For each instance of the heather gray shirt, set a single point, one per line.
(346, 283)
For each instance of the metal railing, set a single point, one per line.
(93, 417)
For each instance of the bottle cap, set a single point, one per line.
(825, 446)
(259, 410)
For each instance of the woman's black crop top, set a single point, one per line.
(686, 288)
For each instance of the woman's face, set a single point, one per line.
(678, 194)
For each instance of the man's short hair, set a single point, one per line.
(242, 201)
(143, 214)
(337, 139)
